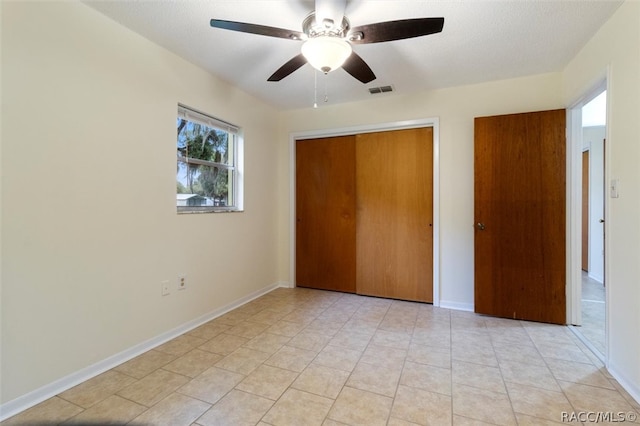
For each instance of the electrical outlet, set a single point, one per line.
(164, 288)
(182, 282)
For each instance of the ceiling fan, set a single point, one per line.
(327, 35)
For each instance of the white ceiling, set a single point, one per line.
(482, 40)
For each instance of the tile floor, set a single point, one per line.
(593, 312)
(310, 357)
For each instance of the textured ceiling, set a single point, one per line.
(481, 41)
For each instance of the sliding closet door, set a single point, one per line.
(394, 235)
(325, 214)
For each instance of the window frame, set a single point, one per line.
(235, 154)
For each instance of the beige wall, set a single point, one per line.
(455, 109)
(616, 47)
(89, 223)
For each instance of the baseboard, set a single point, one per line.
(457, 306)
(32, 398)
(598, 278)
(576, 331)
(631, 388)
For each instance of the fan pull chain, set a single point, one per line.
(326, 96)
(315, 88)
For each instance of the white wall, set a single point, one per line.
(593, 140)
(456, 109)
(616, 47)
(89, 223)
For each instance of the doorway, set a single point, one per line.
(592, 305)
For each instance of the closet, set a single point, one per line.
(364, 209)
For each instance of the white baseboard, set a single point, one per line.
(457, 306)
(576, 331)
(32, 398)
(597, 278)
(631, 388)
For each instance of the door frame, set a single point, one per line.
(433, 122)
(574, 205)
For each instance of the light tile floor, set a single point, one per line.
(310, 357)
(593, 312)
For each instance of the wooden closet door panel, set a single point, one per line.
(325, 214)
(394, 191)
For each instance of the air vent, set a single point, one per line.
(381, 89)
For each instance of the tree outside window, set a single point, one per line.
(206, 167)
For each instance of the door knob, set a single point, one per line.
(601, 220)
(480, 226)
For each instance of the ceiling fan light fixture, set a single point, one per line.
(326, 53)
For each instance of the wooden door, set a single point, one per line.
(394, 187)
(520, 189)
(325, 214)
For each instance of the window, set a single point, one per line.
(207, 176)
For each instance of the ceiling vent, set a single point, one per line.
(381, 89)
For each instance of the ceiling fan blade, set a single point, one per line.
(257, 29)
(290, 66)
(395, 30)
(358, 68)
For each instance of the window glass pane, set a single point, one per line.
(210, 184)
(206, 171)
(204, 143)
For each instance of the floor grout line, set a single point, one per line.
(390, 326)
